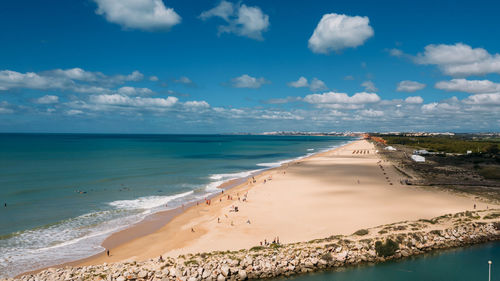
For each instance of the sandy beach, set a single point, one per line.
(335, 192)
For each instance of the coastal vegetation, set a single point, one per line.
(448, 144)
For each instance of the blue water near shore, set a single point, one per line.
(465, 264)
(66, 192)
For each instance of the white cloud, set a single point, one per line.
(120, 100)
(483, 99)
(438, 107)
(409, 86)
(246, 81)
(154, 78)
(396, 52)
(74, 79)
(5, 108)
(241, 19)
(460, 59)
(336, 98)
(315, 85)
(224, 10)
(348, 77)
(74, 112)
(301, 82)
(196, 104)
(414, 100)
(469, 86)
(336, 32)
(369, 86)
(133, 91)
(184, 80)
(47, 99)
(138, 14)
(371, 113)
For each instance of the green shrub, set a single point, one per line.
(256, 248)
(361, 232)
(383, 231)
(491, 216)
(386, 249)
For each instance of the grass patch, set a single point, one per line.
(361, 232)
(490, 172)
(386, 249)
(491, 216)
(257, 248)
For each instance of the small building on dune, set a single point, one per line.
(418, 158)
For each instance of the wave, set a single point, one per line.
(148, 202)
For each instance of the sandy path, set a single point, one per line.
(312, 198)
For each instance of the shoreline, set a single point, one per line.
(412, 238)
(153, 222)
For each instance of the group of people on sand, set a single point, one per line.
(361, 151)
(275, 241)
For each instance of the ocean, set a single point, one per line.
(66, 192)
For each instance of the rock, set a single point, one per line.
(242, 274)
(220, 277)
(206, 274)
(142, 274)
(121, 278)
(225, 270)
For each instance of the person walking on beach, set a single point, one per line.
(107, 252)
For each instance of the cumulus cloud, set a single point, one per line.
(154, 78)
(133, 91)
(47, 99)
(138, 14)
(74, 79)
(246, 81)
(369, 86)
(409, 86)
(301, 82)
(371, 113)
(414, 100)
(120, 100)
(483, 99)
(342, 98)
(469, 86)
(460, 59)
(241, 19)
(336, 32)
(197, 104)
(315, 85)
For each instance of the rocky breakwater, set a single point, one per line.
(372, 245)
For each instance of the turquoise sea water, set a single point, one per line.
(66, 192)
(466, 264)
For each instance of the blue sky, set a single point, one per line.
(152, 66)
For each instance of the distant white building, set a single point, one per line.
(418, 158)
(390, 148)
